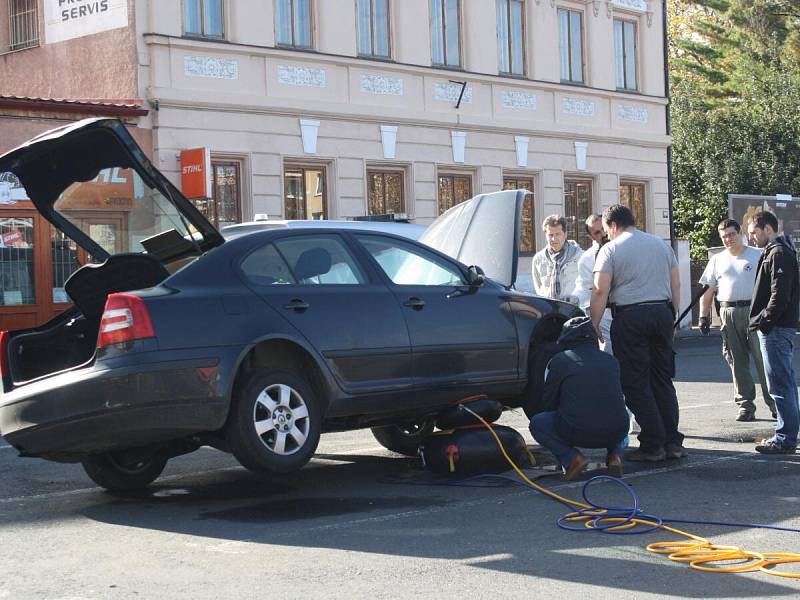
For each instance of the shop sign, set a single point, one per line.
(112, 189)
(70, 19)
(10, 237)
(196, 173)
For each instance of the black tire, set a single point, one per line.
(403, 439)
(538, 359)
(116, 474)
(290, 417)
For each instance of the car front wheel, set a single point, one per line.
(403, 439)
(275, 422)
(124, 472)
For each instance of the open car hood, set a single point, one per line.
(482, 231)
(95, 168)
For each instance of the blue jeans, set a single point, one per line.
(777, 349)
(548, 429)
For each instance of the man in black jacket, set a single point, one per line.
(582, 385)
(774, 313)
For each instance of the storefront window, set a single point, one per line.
(453, 189)
(304, 193)
(65, 263)
(527, 238)
(577, 207)
(632, 196)
(17, 281)
(385, 192)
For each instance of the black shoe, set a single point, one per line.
(745, 416)
(675, 451)
(640, 455)
(771, 446)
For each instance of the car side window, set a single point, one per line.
(266, 266)
(320, 259)
(406, 265)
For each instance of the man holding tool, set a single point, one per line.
(592, 416)
(638, 273)
(731, 275)
(774, 313)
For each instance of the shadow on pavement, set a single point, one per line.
(389, 506)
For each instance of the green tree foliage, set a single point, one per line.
(735, 93)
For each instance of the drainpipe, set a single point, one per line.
(670, 196)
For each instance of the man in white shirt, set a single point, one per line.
(731, 275)
(555, 267)
(585, 281)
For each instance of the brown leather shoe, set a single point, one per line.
(575, 467)
(614, 465)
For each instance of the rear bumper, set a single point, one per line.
(97, 409)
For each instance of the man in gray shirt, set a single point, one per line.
(637, 274)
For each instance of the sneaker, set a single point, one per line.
(745, 416)
(614, 465)
(675, 451)
(575, 467)
(640, 455)
(770, 446)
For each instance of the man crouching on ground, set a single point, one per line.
(582, 386)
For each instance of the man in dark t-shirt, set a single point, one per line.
(582, 384)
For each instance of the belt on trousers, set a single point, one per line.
(618, 308)
(726, 304)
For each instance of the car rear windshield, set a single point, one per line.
(118, 209)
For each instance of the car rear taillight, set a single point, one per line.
(125, 319)
(4, 335)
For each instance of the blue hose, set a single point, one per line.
(626, 513)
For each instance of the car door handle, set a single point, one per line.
(297, 305)
(415, 303)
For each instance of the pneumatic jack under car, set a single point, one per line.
(464, 447)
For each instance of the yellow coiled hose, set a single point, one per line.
(699, 553)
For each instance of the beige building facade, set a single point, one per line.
(345, 108)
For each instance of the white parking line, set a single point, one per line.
(4, 446)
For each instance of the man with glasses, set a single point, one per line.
(731, 275)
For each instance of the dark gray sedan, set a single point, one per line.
(258, 341)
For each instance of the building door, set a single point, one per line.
(304, 193)
(577, 208)
(527, 233)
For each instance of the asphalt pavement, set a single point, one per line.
(360, 522)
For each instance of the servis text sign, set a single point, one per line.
(70, 19)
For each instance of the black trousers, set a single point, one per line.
(642, 339)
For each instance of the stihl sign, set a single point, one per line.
(196, 173)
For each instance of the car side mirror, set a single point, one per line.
(475, 276)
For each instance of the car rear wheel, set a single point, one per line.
(275, 422)
(124, 471)
(403, 439)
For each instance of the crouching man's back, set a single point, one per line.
(583, 387)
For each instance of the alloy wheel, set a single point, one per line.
(281, 419)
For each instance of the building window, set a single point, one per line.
(373, 28)
(527, 237)
(570, 26)
(24, 21)
(625, 54)
(203, 18)
(632, 195)
(453, 189)
(445, 33)
(577, 208)
(293, 23)
(224, 206)
(385, 193)
(304, 193)
(510, 36)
